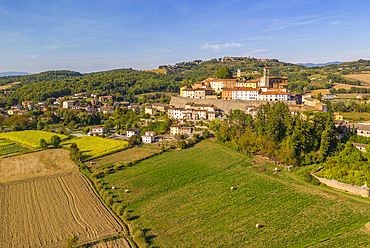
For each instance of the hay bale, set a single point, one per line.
(127, 191)
(113, 187)
(232, 188)
(258, 225)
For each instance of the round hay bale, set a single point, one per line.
(232, 188)
(126, 191)
(258, 225)
(113, 187)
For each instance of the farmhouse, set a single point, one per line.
(148, 139)
(132, 132)
(361, 147)
(68, 104)
(96, 130)
(175, 129)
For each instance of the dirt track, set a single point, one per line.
(48, 211)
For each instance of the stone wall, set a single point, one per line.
(224, 105)
(353, 189)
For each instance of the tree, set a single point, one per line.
(40, 125)
(43, 143)
(206, 134)
(224, 72)
(182, 144)
(55, 141)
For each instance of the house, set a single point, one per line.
(106, 109)
(176, 113)
(274, 96)
(68, 104)
(245, 93)
(96, 130)
(149, 133)
(16, 107)
(361, 147)
(174, 129)
(185, 130)
(105, 98)
(227, 93)
(148, 139)
(160, 107)
(150, 110)
(338, 116)
(132, 132)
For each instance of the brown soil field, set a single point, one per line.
(44, 163)
(3, 87)
(48, 211)
(364, 78)
(118, 243)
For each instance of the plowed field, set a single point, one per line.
(50, 210)
(44, 163)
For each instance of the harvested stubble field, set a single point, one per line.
(48, 211)
(95, 147)
(364, 78)
(30, 137)
(37, 164)
(128, 155)
(184, 198)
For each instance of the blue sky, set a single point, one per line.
(92, 35)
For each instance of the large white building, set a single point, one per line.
(245, 93)
(274, 96)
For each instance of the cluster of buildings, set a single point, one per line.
(265, 88)
(193, 111)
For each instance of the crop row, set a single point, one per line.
(12, 148)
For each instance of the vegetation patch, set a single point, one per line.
(185, 199)
(95, 147)
(128, 155)
(7, 147)
(30, 137)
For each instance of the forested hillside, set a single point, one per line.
(124, 83)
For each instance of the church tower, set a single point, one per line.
(265, 79)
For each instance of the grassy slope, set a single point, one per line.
(184, 198)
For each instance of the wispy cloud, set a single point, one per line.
(218, 47)
(258, 51)
(32, 56)
(336, 22)
(297, 24)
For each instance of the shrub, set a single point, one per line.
(95, 175)
(134, 228)
(119, 210)
(116, 167)
(126, 216)
(99, 186)
(106, 171)
(109, 200)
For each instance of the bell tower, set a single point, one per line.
(266, 79)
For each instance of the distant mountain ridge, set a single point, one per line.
(320, 64)
(13, 73)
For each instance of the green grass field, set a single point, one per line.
(30, 137)
(94, 147)
(183, 199)
(128, 155)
